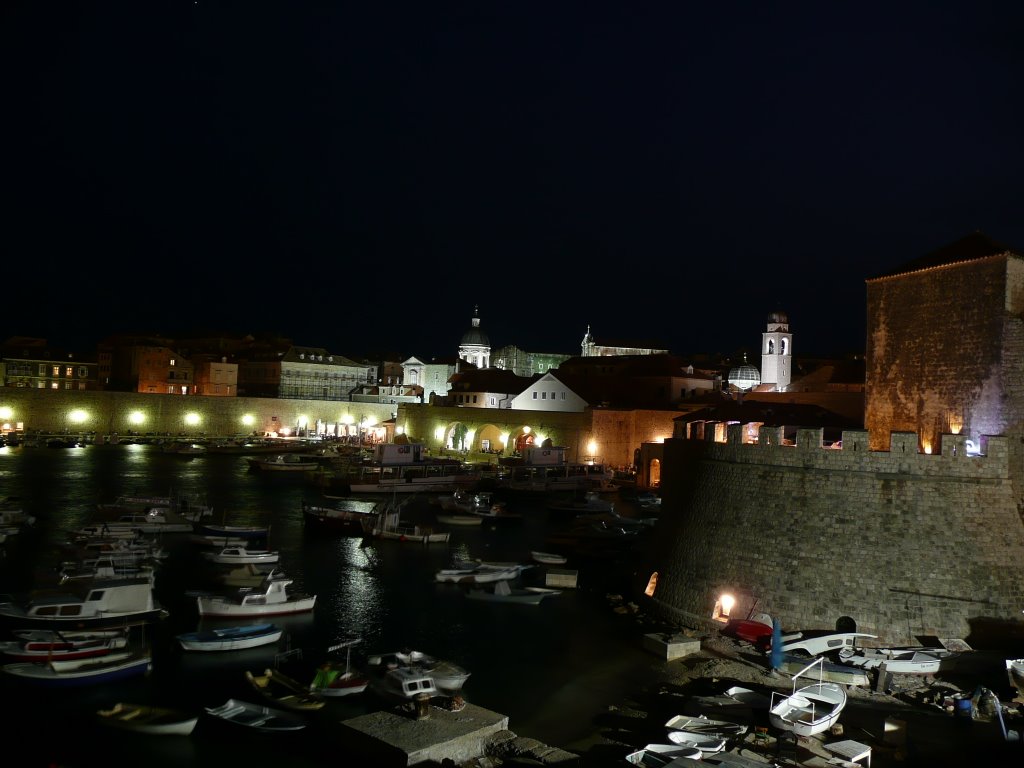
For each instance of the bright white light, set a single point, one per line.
(248, 420)
(728, 601)
(6, 413)
(137, 417)
(592, 448)
(192, 419)
(78, 416)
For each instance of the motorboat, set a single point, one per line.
(333, 680)
(44, 645)
(97, 669)
(236, 555)
(103, 603)
(149, 719)
(271, 598)
(916, 660)
(448, 676)
(477, 574)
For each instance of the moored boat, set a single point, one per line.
(90, 671)
(148, 719)
(256, 716)
(332, 679)
(47, 645)
(271, 598)
(104, 603)
(230, 638)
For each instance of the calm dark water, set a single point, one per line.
(551, 668)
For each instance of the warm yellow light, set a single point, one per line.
(503, 438)
(78, 416)
(728, 601)
(399, 430)
(6, 413)
(538, 438)
(526, 430)
(192, 419)
(137, 417)
(303, 422)
(439, 433)
(369, 421)
(348, 419)
(592, 448)
(469, 436)
(285, 431)
(928, 448)
(248, 419)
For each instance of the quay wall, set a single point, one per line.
(105, 413)
(902, 542)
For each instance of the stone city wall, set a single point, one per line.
(902, 542)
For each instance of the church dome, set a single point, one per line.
(744, 377)
(475, 337)
(778, 317)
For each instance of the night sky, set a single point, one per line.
(359, 176)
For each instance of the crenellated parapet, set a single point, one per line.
(956, 458)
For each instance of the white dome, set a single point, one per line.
(744, 377)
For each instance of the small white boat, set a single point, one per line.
(503, 593)
(702, 724)
(810, 709)
(230, 638)
(284, 462)
(919, 660)
(1015, 673)
(477, 574)
(404, 683)
(548, 558)
(708, 745)
(152, 720)
(271, 598)
(658, 755)
(257, 716)
(236, 555)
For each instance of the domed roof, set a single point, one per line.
(744, 376)
(474, 337)
(778, 317)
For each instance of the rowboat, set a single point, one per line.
(230, 638)
(153, 720)
(101, 669)
(256, 716)
(235, 555)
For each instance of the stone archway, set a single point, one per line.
(654, 473)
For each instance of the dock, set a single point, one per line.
(391, 739)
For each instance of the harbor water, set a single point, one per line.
(552, 668)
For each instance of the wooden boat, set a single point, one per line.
(333, 680)
(152, 720)
(810, 709)
(283, 691)
(702, 724)
(919, 660)
(658, 755)
(230, 638)
(271, 598)
(256, 716)
(548, 558)
(337, 521)
(386, 524)
(249, 575)
(46, 645)
(283, 462)
(476, 574)
(103, 603)
(90, 671)
(459, 518)
(504, 593)
(706, 743)
(235, 555)
(233, 533)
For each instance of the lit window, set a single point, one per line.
(69, 371)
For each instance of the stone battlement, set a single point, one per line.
(904, 456)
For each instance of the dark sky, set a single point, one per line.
(360, 175)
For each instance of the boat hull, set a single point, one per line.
(216, 608)
(49, 676)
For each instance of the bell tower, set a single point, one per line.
(777, 352)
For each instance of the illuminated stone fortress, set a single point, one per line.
(914, 527)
